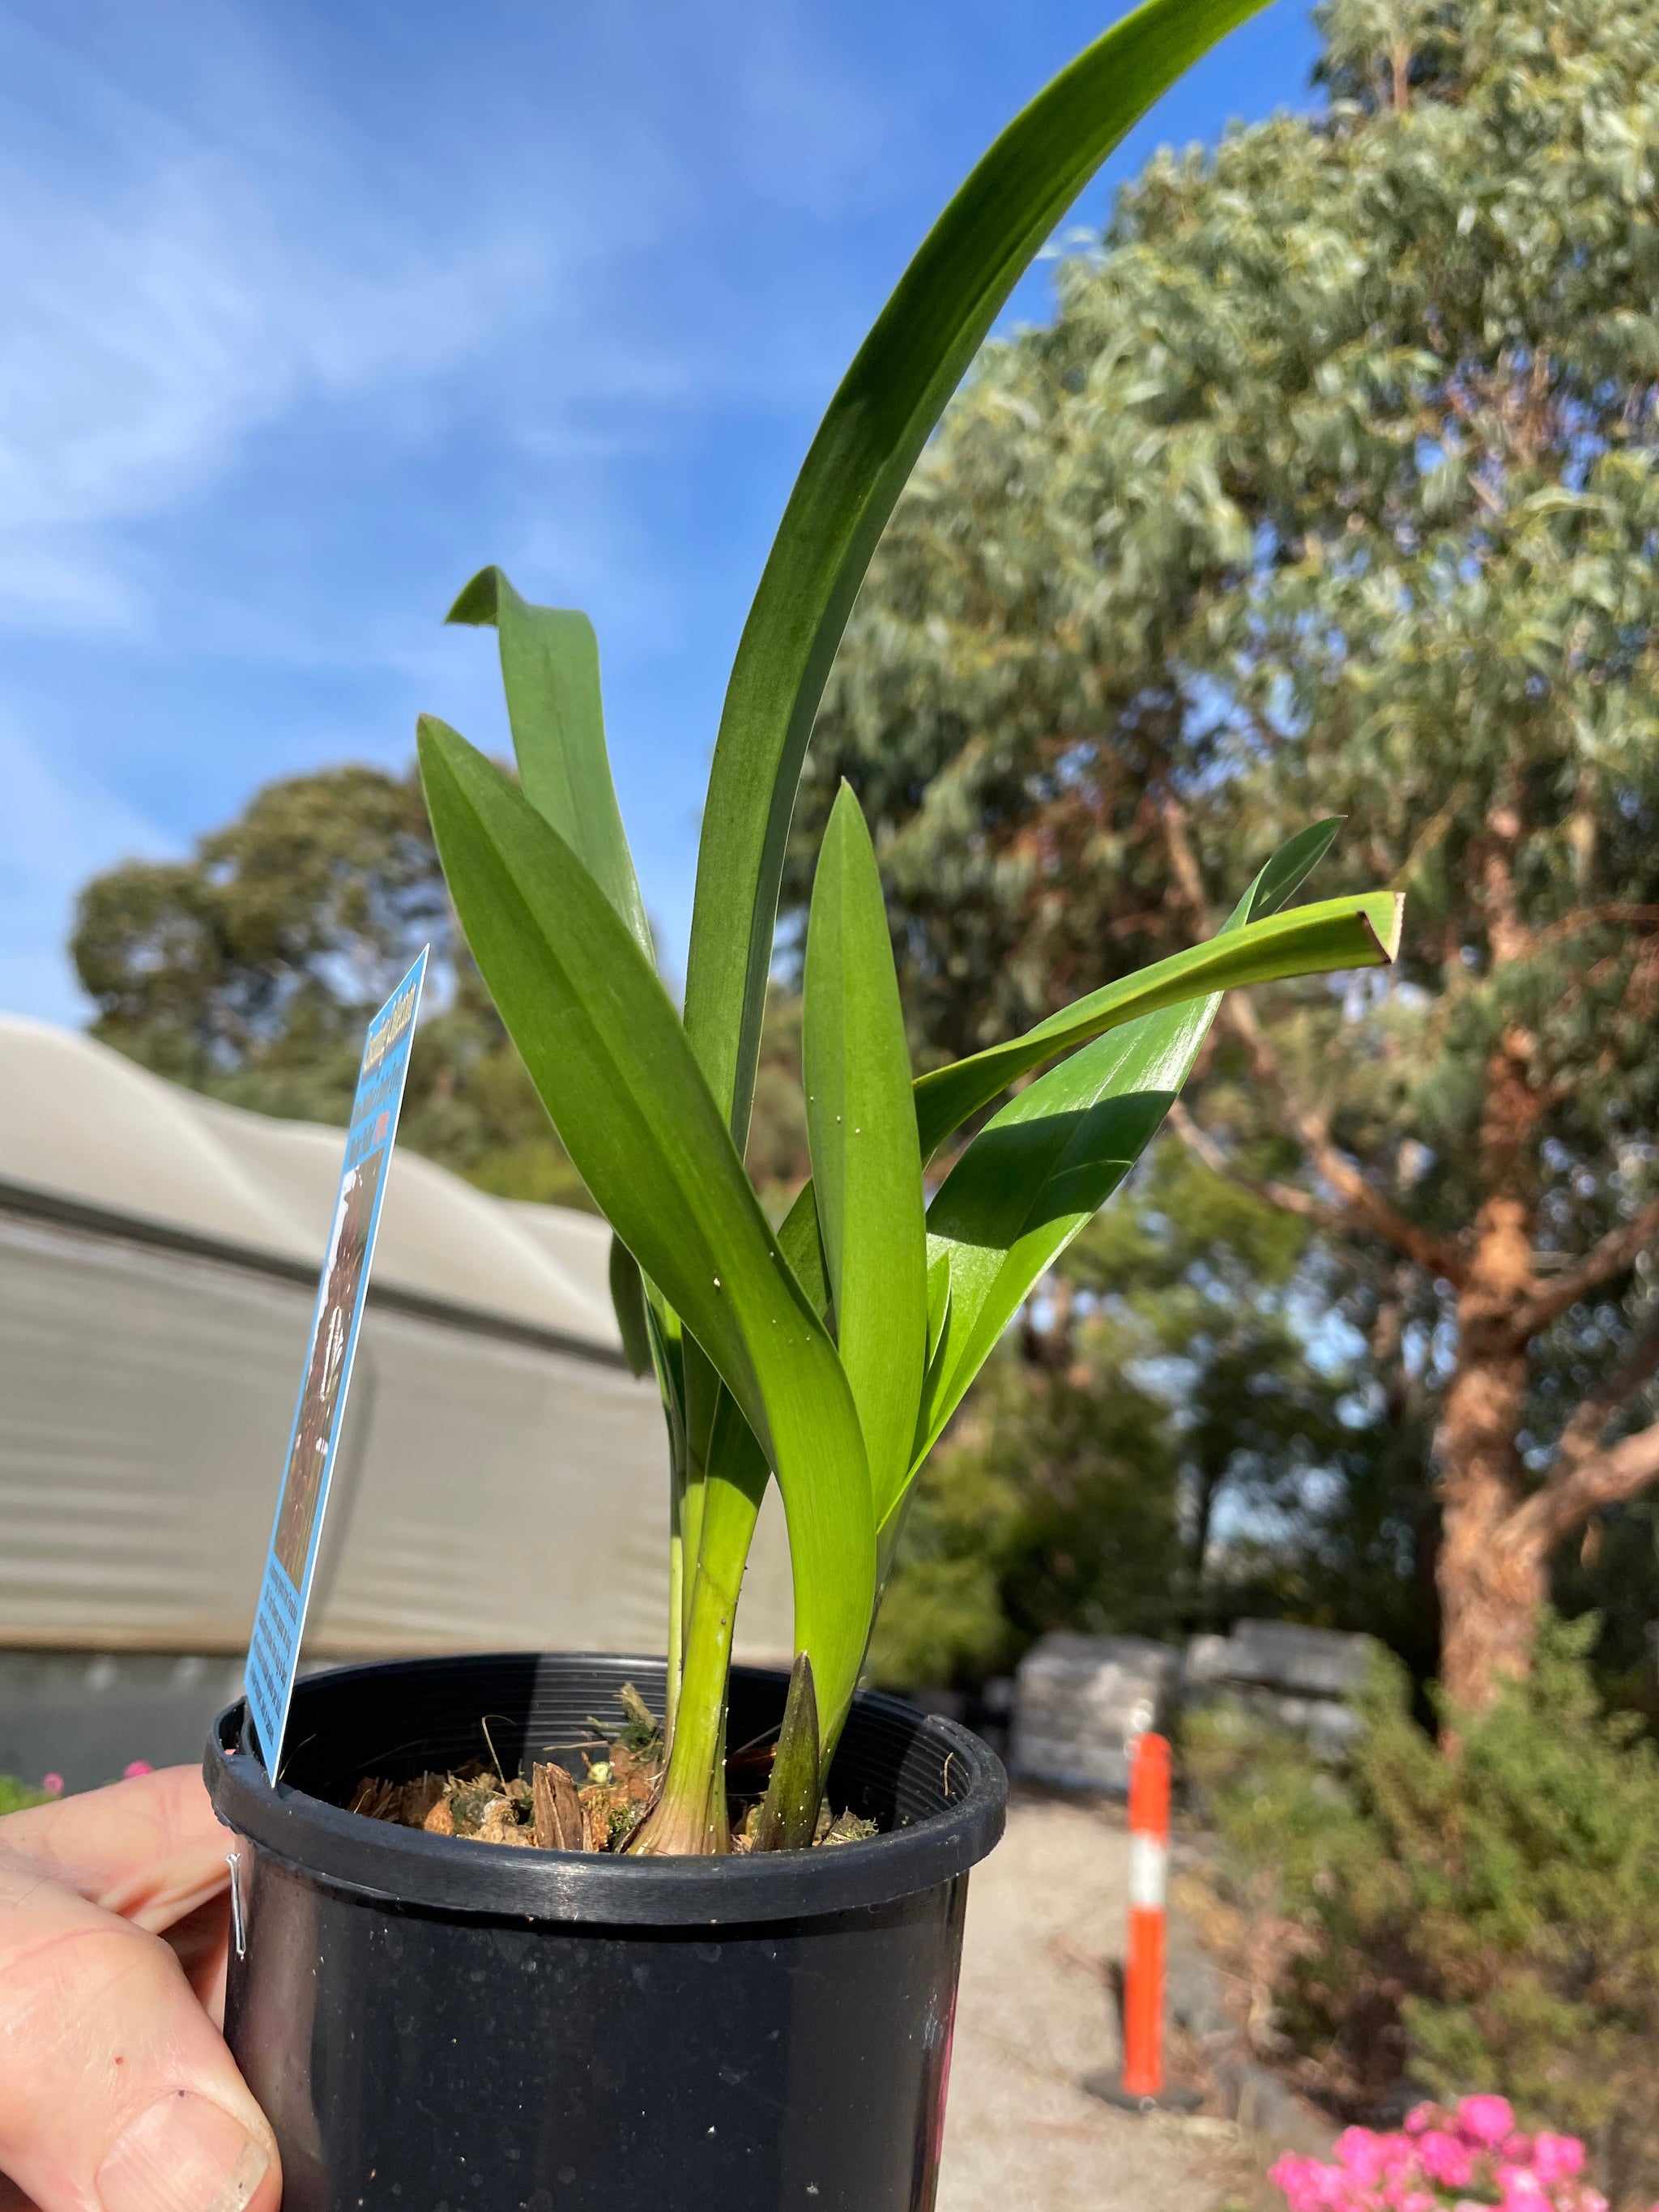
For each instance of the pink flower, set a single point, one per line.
(1436, 2160)
(1445, 2158)
(1288, 2173)
(1399, 2153)
(1362, 2155)
(1311, 2186)
(1303, 2180)
(135, 1766)
(53, 1784)
(1404, 2191)
(1521, 2190)
(1557, 2158)
(1485, 2120)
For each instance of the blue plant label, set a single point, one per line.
(279, 1623)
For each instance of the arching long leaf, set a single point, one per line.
(802, 1245)
(1309, 940)
(628, 1297)
(1050, 1159)
(1288, 870)
(605, 1050)
(866, 1168)
(1035, 1174)
(550, 673)
(876, 426)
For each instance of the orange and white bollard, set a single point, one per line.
(1149, 1861)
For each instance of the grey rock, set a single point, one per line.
(1079, 1700)
(1278, 1655)
(1302, 1680)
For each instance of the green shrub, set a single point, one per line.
(15, 1795)
(1481, 1918)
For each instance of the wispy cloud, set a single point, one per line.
(200, 240)
(182, 267)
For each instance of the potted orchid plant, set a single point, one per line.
(674, 1990)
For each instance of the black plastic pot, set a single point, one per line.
(438, 2024)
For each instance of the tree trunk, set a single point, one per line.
(1401, 61)
(1051, 1348)
(1207, 1490)
(1491, 1581)
(1491, 1589)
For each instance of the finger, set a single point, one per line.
(201, 1944)
(116, 2092)
(149, 1849)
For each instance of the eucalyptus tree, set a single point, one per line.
(1334, 483)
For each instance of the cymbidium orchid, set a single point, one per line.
(827, 1353)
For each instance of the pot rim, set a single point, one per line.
(455, 1875)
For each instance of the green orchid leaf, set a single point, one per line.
(605, 1050)
(877, 424)
(1042, 1166)
(704, 1394)
(1289, 867)
(802, 1246)
(690, 1814)
(550, 672)
(1361, 932)
(627, 1297)
(939, 1356)
(862, 1128)
(667, 1358)
(1035, 1174)
(939, 1300)
(1278, 880)
(789, 1817)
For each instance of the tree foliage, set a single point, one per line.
(1333, 485)
(250, 970)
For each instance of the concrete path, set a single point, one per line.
(1045, 1917)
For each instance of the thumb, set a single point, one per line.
(116, 2093)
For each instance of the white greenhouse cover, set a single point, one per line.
(500, 1481)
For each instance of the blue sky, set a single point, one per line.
(312, 309)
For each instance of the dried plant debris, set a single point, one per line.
(845, 1828)
(553, 1811)
(642, 1733)
(474, 1802)
(618, 1793)
(550, 1812)
(558, 1811)
(842, 1828)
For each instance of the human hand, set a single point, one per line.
(116, 2093)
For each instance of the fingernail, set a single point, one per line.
(184, 2154)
